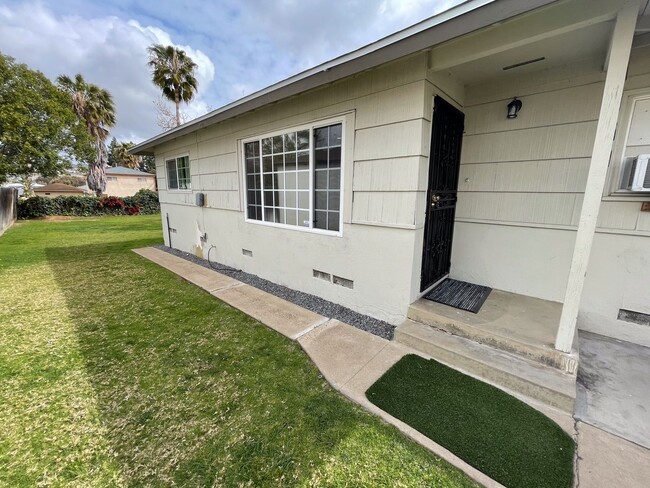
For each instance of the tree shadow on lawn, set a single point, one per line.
(194, 392)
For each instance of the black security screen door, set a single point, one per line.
(444, 165)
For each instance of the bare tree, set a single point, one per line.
(166, 116)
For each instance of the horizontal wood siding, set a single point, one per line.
(382, 175)
(392, 208)
(532, 169)
(627, 215)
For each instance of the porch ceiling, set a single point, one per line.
(588, 42)
(562, 33)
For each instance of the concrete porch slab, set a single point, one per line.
(518, 324)
(613, 387)
(287, 318)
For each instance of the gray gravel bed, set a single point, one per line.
(305, 300)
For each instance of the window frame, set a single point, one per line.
(311, 126)
(613, 190)
(189, 167)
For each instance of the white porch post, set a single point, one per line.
(617, 61)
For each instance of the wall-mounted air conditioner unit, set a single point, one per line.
(640, 174)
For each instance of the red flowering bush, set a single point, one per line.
(132, 210)
(114, 203)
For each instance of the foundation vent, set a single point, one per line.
(321, 275)
(634, 317)
(343, 282)
(247, 252)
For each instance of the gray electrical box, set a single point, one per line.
(200, 199)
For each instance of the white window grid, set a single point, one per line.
(310, 223)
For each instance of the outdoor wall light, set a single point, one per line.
(513, 108)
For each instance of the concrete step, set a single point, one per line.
(505, 370)
(517, 324)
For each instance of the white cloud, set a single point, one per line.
(108, 51)
(240, 46)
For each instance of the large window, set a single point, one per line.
(178, 173)
(629, 173)
(294, 178)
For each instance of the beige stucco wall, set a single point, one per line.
(385, 150)
(126, 186)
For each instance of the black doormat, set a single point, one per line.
(459, 294)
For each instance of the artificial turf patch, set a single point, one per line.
(496, 433)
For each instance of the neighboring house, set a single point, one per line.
(349, 182)
(58, 189)
(125, 182)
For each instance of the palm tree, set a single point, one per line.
(95, 108)
(173, 72)
(124, 157)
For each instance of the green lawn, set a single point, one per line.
(114, 372)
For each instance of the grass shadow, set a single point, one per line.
(193, 392)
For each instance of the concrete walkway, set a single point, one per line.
(352, 360)
(612, 385)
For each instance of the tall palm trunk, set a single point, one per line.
(96, 176)
(178, 109)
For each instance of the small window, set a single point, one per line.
(178, 173)
(294, 178)
(142, 180)
(111, 178)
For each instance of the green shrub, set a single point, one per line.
(144, 202)
(78, 206)
(37, 207)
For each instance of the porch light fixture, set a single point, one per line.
(513, 108)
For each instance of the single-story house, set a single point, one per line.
(499, 143)
(125, 182)
(58, 189)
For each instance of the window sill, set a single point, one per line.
(295, 228)
(179, 191)
(627, 196)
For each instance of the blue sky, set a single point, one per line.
(240, 46)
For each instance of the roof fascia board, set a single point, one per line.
(460, 20)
